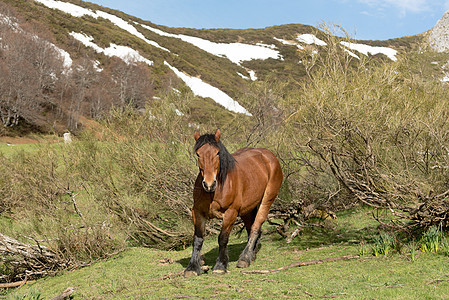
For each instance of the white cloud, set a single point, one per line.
(404, 6)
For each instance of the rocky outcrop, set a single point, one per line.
(439, 35)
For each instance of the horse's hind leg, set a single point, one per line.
(249, 253)
(248, 220)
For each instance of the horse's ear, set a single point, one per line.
(197, 135)
(217, 135)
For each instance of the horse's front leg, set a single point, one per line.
(221, 264)
(194, 267)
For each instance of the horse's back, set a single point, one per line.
(258, 161)
(259, 155)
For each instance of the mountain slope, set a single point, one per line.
(219, 64)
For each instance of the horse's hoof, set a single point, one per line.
(219, 272)
(242, 264)
(188, 274)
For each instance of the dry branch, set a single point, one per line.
(436, 281)
(361, 175)
(27, 261)
(302, 264)
(65, 295)
(13, 284)
(168, 276)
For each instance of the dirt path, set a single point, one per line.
(26, 140)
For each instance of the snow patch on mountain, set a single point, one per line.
(205, 90)
(67, 60)
(72, 9)
(252, 75)
(310, 39)
(285, 42)
(235, 52)
(127, 54)
(290, 43)
(243, 76)
(373, 50)
(352, 54)
(78, 11)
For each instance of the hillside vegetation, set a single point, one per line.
(60, 99)
(351, 133)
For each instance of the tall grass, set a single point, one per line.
(431, 240)
(383, 244)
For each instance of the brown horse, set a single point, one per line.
(228, 185)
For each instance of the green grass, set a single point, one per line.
(129, 274)
(29, 144)
(9, 150)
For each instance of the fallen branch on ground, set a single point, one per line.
(436, 281)
(302, 264)
(168, 276)
(65, 295)
(27, 261)
(204, 268)
(13, 284)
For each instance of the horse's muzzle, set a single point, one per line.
(210, 188)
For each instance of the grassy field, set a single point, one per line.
(138, 272)
(9, 149)
(9, 145)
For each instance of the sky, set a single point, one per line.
(362, 19)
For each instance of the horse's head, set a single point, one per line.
(209, 160)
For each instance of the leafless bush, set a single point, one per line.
(37, 89)
(29, 65)
(381, 136)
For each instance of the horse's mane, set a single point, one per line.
(227, 161)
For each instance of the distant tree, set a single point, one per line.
(30, 67)
(132, 86)
(83, 77)
(36, 89)
(102, 98)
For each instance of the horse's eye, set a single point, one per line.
(197, 155)
(218, 153)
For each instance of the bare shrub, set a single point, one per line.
(30, 66)
(382, 136)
